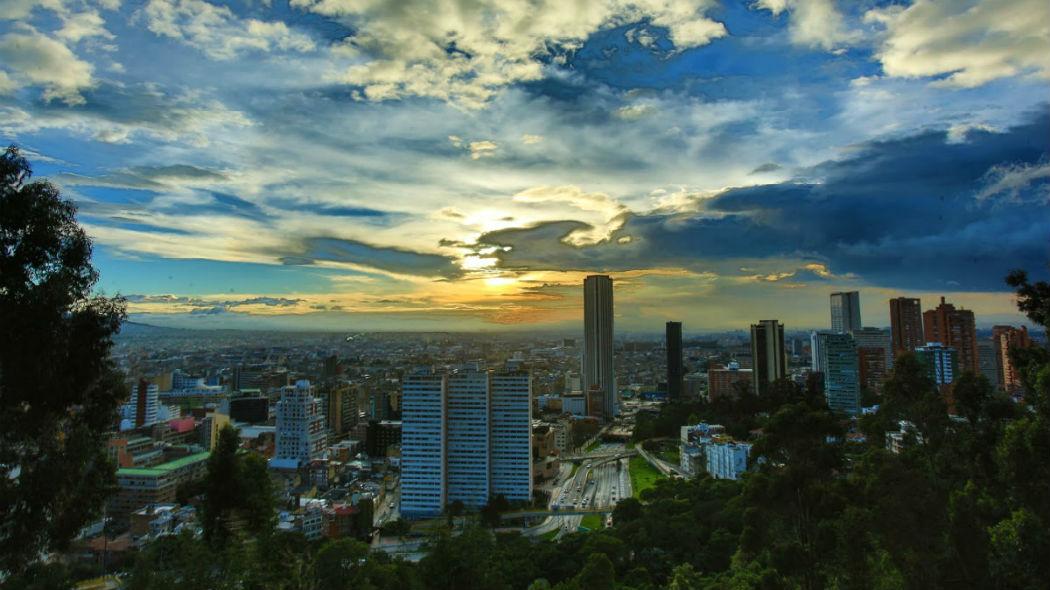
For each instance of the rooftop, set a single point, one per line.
(164, 468)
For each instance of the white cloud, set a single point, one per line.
(814, 23)
(959, 132)
(464, 52)
(45, 62)
(529, 139)
(1008, 182)
(482, 149)
(21, 9)
(969, 43)
(7, 85)
(83, 25)
(126, 113)
(217, 31)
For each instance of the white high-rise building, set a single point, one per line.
(845, 312)
(423, 445)
(598, 370)
(300, 432)
(511, 412)
(467, 439)
(465, 436)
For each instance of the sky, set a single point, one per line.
(464, 164)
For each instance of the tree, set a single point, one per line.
(237, 492)
(59, 390)
(454, 510)
(597, 573)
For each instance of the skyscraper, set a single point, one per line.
(768, 356)
(845, 311)
(423, 445)
(675, 366)
(467, 439)
(465, 436)
(905, 324)
(598, 371)
(511, 427)
(1004, 339)
(955, 328)
(838, 361)
(300, 432)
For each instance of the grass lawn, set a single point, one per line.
(593, 445)
(592, 522)
(629, 445)
(643, 475)
(549, 535)
(575, 468)
(672, 455)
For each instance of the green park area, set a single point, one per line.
(643, 475)
(592, 522)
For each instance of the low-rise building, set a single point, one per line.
(139, 487)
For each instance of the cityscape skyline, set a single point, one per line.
(714, 159)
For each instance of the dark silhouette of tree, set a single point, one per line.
(59, 390)
(237, 492)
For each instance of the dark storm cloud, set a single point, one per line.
(384, 258)
(902, 213)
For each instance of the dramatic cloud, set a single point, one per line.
(466, 51)
(356, 253)
(895, 213)
(966, 43)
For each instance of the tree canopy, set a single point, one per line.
(59, 391)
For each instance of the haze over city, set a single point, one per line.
(341, 165)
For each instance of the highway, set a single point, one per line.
(598, 483)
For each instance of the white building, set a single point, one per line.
(465, 436)
(423, 445)
(727, 460)
(511, 446)
(300, 434)
(467, 439)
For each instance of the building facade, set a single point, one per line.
(874, 356)
(300, 431)
(675, 362)
(835, 356)
(768, 355)
(465, 437)
(423, 445)
(1005, 339)
(941, 362)
(598, 370)
(722, 382)
(845, 311)
(727, 460)
(955, 328)
(905, 324)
